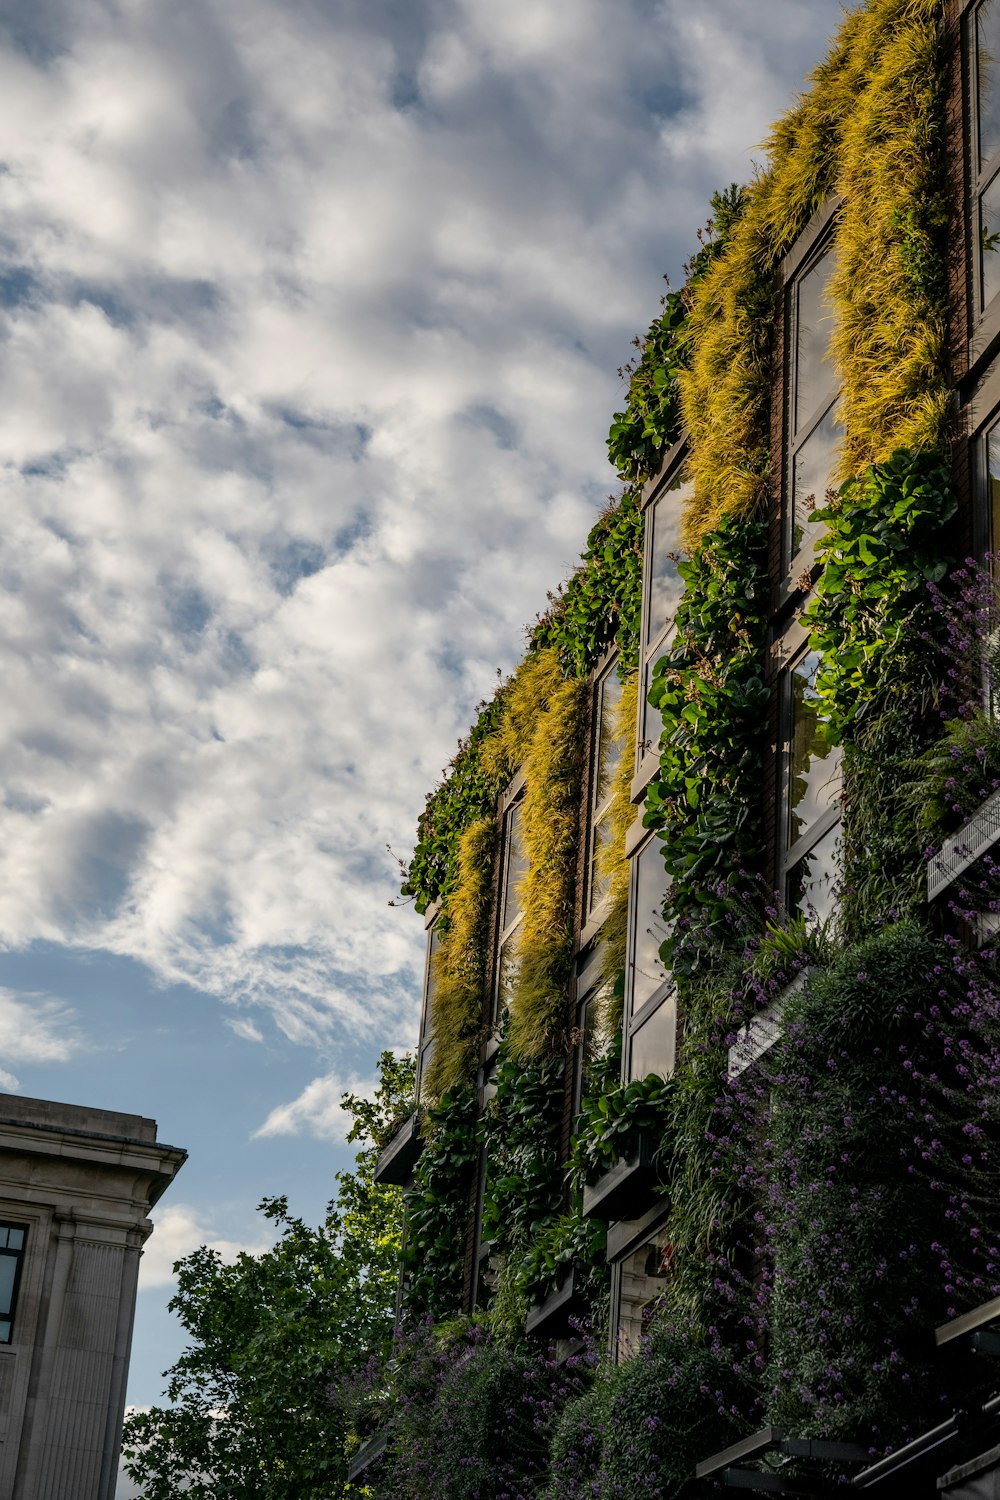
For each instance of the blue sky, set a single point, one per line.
(310, 316)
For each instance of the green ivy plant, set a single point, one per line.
(437, 1211)
(651, 421)
(601, 604)
(710, 689)
(884, 542)
(521, 1132)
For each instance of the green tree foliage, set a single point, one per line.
(253, 1411)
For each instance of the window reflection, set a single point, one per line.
(649, 930)
(641, 1283)
(663, 582)
(654, 1043)
(988, 81)
(515, 866)
(814, 325)
(993, 482)
(609, 745)
(989, 240)
(812, 882)
(813, 474)
(814, 771)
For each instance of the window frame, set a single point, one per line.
(983, 315)
(791, 650)
(666, 990)
(18, 1255)
(670, 477)
(425, 1035)
(593, 913)
(816, 242)
(503, 932)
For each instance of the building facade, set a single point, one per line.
(76, 1187)
(729, 834)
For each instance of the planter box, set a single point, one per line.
(394, 1167)
(551, 1315)
(627, 1190)
(964, 847)
(368, 1454)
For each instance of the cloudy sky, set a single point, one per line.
(310, 316)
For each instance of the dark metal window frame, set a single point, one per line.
(981, 178)
(792, 650)
(671, 473)
(18, 1256)
(425, 1037)
(633, 1021)
(815, 242)
(594, 914)
(503, 932)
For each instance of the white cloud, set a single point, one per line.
(317, 1110)
(35, 1028)
(177, 1231)
(309, 321)
(245, 1028)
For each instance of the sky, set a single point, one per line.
(311, 313)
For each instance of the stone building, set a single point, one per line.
(76, 1186)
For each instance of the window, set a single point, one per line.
(607, 751)
(991, 487)
(813, 435)
(640, 1279)
(662, 589)
(593, 1011)
(650, 1023)
(812, 784)
(985, 145)
(12, 1238)
(513, 867)
(425, 1046)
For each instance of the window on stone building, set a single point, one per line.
(984, 36)
(12, 1244)
(513, 868)
(812, 797)
(813, 434)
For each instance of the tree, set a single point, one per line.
(250, 1414)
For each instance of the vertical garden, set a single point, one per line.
(831, 1204)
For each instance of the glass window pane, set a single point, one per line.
(595, 1033)
(15, 1238)
(654, 1043)
(515, 866)
(433, 944)
(643, 1281)
(649, 930)
(812, 883)
(8, 1269)
(993, 498)
(507, 967)
(663, 583)
(989, 240)
(3, 1236)
(650, 725)
(812, 475)
(815, 377)
(814, 771)
(609, 746)
(600, 883)
(4, 1331)
(987, 60)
